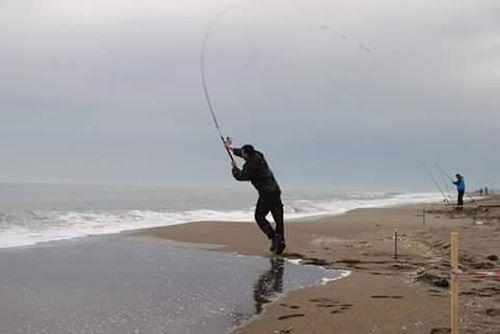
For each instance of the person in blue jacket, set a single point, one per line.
(460, 184)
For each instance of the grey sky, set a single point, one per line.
(109, 91)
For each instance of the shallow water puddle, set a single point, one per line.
(126, 285)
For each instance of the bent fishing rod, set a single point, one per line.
(204, 80)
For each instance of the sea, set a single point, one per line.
(31, 214)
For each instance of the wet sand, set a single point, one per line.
(121, 285)
(383, 295)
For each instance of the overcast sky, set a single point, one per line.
(344, 93)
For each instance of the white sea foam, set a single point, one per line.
(45, 225)
(343, 274)
(294, 261)
(305, 208)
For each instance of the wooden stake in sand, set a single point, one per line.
(454, 283)
(395, 243)
(423, 217)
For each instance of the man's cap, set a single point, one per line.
(248, 149)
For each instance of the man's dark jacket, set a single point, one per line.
(257, 171)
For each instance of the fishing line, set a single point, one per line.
(437, 186)
(361, 46)
(444, 176)
(442, 170)
(204, 79)
(435, 182)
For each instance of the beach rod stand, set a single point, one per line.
(475, 215)
(454, 283)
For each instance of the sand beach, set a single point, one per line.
(409, 294)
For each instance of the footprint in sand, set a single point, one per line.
(493, 312)
(386, 297)
(343, 307)
(288, 316)
(326, 305)
(441, 330)
(290, 306)
(320, 300)
(436, 293)
(336, 306)
(286, 330)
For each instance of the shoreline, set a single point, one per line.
(360, 241)
(88, 223)
(205, 231)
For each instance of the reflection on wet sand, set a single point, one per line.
(269, 283)
(117, 285)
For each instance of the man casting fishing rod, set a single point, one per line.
(256, 170)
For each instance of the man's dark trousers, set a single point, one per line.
(460, 203)
(270, 202)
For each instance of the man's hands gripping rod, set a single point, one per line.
(228, 143)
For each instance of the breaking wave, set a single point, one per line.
(28, 228)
